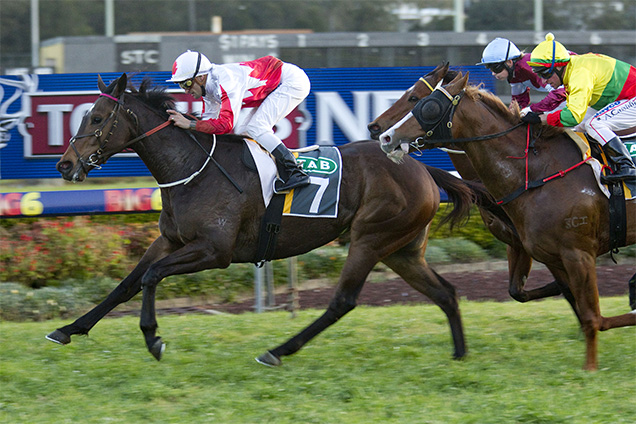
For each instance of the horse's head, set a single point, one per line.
(425, 121)
(422, 88)
(95, 141)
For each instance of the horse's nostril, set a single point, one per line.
(63, 166)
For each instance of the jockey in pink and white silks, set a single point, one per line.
(271, 87)
(592, 80)
(506, 62)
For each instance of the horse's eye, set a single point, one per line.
(414, 99)
(96, 120)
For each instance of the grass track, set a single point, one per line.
(377, 365)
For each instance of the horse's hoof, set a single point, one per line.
(269, 359)
(58, 337)
(157, 349)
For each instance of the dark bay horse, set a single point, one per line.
(519, 261)
(207, 223)
(563, 223)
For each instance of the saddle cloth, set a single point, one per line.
(586, 151)
(320, 198)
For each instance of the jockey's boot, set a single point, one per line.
(289, 171)
(617, 153)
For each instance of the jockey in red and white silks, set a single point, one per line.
(269, 86)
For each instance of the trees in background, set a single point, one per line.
(86, 17)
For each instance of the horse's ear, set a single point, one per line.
(465, 79)
(457, 84)
(441, 70)
(100, 84)
(457, 77)
(122, 83)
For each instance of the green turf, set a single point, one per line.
(376, 365)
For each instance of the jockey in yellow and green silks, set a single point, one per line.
(603, 83)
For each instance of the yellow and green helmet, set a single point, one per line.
(549, 53)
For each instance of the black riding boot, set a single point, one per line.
(288, 170)
(617, 153)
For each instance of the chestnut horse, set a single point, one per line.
(562, 223)
(208, 223)
(519, 261)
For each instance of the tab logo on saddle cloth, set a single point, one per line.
(320, 165)
(631, 148)
(320, 198)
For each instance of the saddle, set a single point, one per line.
(616, 193)
(317, 200)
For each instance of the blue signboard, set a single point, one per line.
(79, 202)
(40, 113)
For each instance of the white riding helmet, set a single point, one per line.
(188, 65)
(499, 50)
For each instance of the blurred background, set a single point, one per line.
(74, 36)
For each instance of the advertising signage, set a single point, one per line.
(40, 113)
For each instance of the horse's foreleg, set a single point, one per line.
(519, 261)
(352, 279)
(126, 290)
(581, 275)
(519, 264)
(191, 258)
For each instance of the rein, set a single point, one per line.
(440, 96)
(94, 158)
(536, 183)
(442, 128)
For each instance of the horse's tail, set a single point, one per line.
(459, 194)
(485, 201)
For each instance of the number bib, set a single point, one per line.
(320, 198)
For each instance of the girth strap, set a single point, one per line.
(617, 217)
(270, 227)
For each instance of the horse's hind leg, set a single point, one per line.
(354, 273)
(126, 290)
(412, 267)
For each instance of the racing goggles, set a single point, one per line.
(496, 67)
(543, 71)
(186, 84)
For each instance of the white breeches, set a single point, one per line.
(293, 89)
(617, 116)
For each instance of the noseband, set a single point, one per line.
(96, 158)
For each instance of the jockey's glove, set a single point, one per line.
(523, 112)
(531, 118)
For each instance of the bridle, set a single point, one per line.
(438, 129)
(96, 158)
(441, 127)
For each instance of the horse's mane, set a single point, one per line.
(476, 92)
(153, 96)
